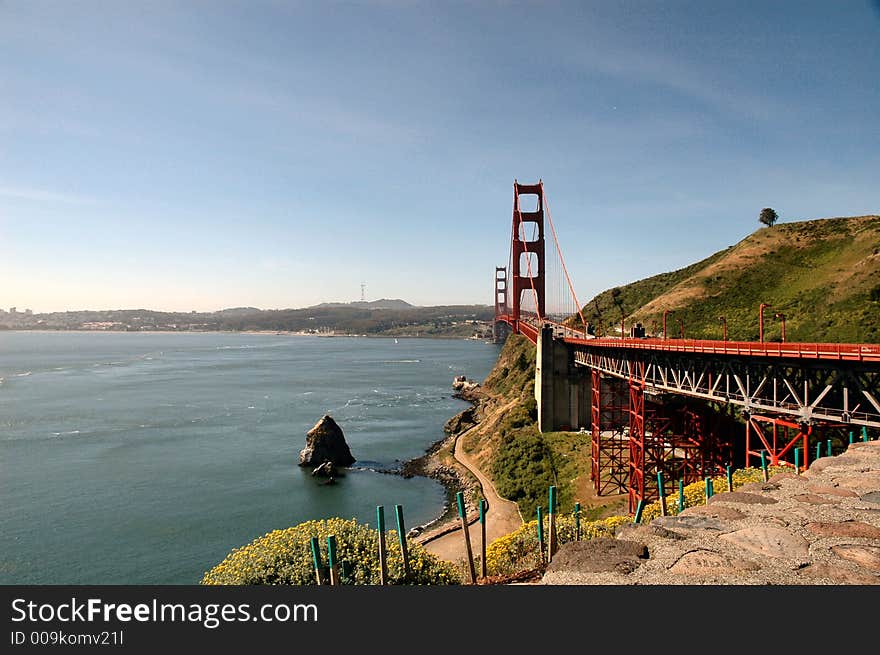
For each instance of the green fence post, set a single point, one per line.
(662, 493)
(850, 437)
(639, 508)
(828, 446)
(551, 541)
(708, 489)
(797, 461)
(681, 496)
(818, 450)
(729, 478)
(331, 560)
(383, 555)
(401, 536)
(577, 521)
(316, 558)
(864, 433)
(484, 507)
(459, 497)
(765, 474)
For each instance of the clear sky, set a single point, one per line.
(202, 155)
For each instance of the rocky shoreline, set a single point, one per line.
(453, 478)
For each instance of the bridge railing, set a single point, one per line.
(823, 351)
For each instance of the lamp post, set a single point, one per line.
(665, 314)
(724, 326)
(653, 327)
(761, 321)
(681, 328)
(622, 319)
(781, 317)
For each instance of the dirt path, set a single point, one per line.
(503, 516)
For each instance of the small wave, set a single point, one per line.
(65, 434)
(23, 375)
(402, 361)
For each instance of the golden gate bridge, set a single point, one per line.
(686, 408)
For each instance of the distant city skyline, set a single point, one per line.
(201, 156)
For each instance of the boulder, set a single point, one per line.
(326, 442)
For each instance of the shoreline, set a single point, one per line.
(452, 478)
(279, 333)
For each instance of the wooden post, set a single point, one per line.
(459, 497)
(662, 493)
(577, 521)
(541, 535)
(383, 555)
(401, 536)
(680, 496)
(331, 560)
(484, 507)
(765, 474)
(729, 478)
(316, 558)
(551, 545)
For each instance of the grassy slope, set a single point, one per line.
(524, 463)
(818, 273)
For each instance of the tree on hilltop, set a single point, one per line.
(768, 217)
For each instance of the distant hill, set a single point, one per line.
(823, 275)
(238, 311)
(383, 303)
(379, 317)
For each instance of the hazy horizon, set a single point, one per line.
(21, 309)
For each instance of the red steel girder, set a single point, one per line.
(609, 406)
(780, 436)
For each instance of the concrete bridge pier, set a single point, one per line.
(562, 389)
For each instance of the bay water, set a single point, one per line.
(144, 458)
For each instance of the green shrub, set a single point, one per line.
(284, 557)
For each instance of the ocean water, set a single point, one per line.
(144, 458)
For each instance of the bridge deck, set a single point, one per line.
(854, 352)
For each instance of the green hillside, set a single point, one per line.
(823, 275)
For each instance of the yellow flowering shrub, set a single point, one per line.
(518, 550)
(284, 557)
(695, 493)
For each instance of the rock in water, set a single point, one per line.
(325, 470)
(326, 442)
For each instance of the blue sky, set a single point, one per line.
(201, 155)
